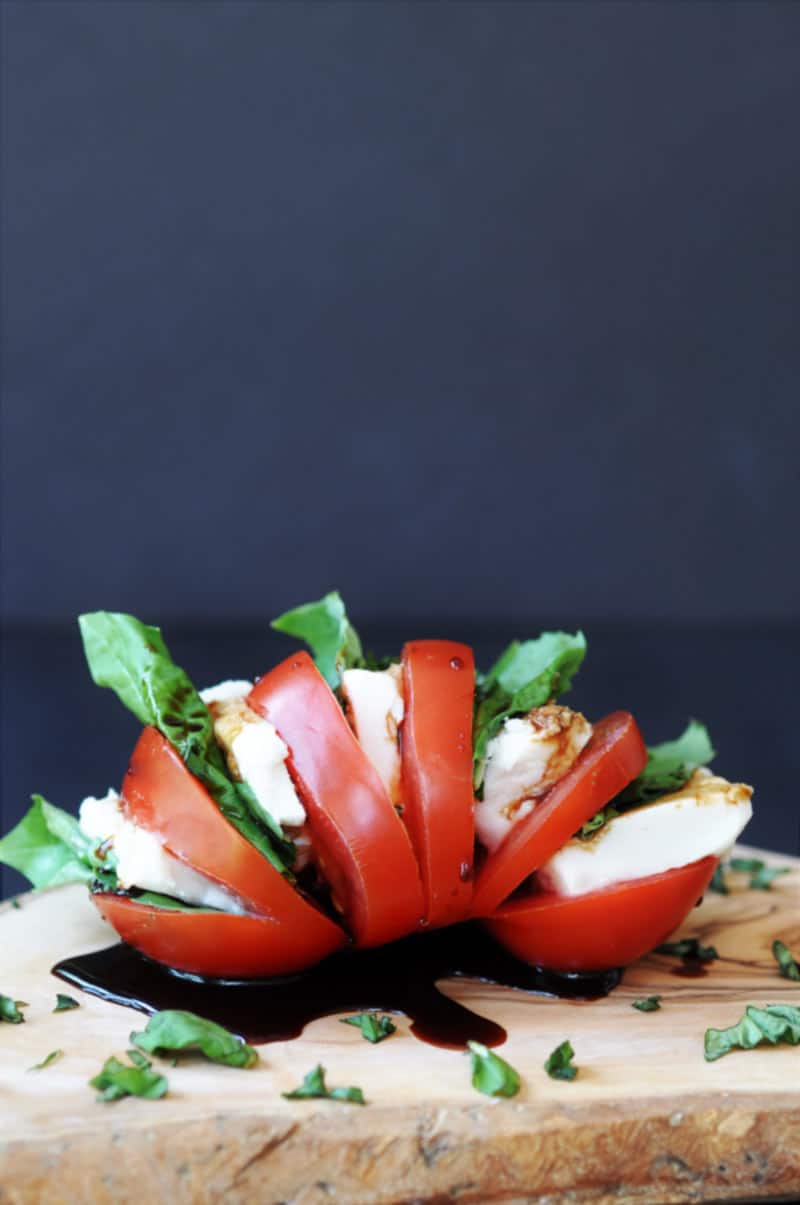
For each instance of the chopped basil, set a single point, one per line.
(761, 876)
(49, 848)
(787, 963)
(492, 1075)
(325, 628)
(559, 1065)
(773, 1024)
(65, 1003)
(314, 1087)
(139, 1060)
(118, 1079)
(15, 903)
(49, 1059)
(688, 948)
(10, 1010)
(648, 1004)
(176, 1029)
(373, 1026)
(526, 675)
(132, 659)
(718, 883)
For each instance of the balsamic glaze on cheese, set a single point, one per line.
(402, 977)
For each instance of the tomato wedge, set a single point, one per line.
(358, 840)
(214, 943)
(161, 795)
(613, 757)
(438, 800)
(602, 929)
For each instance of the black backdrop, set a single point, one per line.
(485, 312)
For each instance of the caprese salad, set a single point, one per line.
(343, 800)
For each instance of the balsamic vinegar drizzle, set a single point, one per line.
(401, 977)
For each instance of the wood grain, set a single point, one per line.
(647, 1120)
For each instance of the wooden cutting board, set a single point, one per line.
(647, 1120)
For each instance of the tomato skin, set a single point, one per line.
(215, 943)
(162, 796)
(438, 800)
(358, 840)
(602, 929)
(613, 757)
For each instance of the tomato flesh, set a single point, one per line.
(601, 929)
(358, 841)
(613, 757)
(216, 943)
(162, 796)
(438, 800)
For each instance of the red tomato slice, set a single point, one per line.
(162, 796)
(438, 800)
(216, 943)
(613, 757)
(358, 840)
(602, 929)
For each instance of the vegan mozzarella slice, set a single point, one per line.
(223, 692)
(703, 819)
(143, 862)
(527, 756)
(375, 701)
(254, 752)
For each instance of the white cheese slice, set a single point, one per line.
(223, 692)
(143, 862)
(257, 755)
(527, 756)
(376, 708)
(703, 819)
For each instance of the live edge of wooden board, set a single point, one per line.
(647, 1120)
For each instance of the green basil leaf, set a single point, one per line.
(10, 1010)
(325, 628)
(763, 879)
(48, 1060)
(131, 658)
(44, 858)
(599, 820)
(526, 675)
(492, 1075)
(718, 883)
(773, 1024)
(649, 1004)
(559, 1065)
(65, 1004)
(139, 1060)
(16, 904)
(314, 1087)
(154, 899)
(787, 963)
(688, 948)
(761, 876)
(176, 1029)
(117, 1080)
(373, 1026)
(669, 766)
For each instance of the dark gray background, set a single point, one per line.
(485, 312)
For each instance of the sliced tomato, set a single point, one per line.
(161, 795)
(613, 757)
(602, 929)
(214, 943)
(438, 800)
(358, 841)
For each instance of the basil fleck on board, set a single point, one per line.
(644, 1087)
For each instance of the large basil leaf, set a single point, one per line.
(131, 658)
(526, 675)
(669, 766)
(49, 848)
(325, 628)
